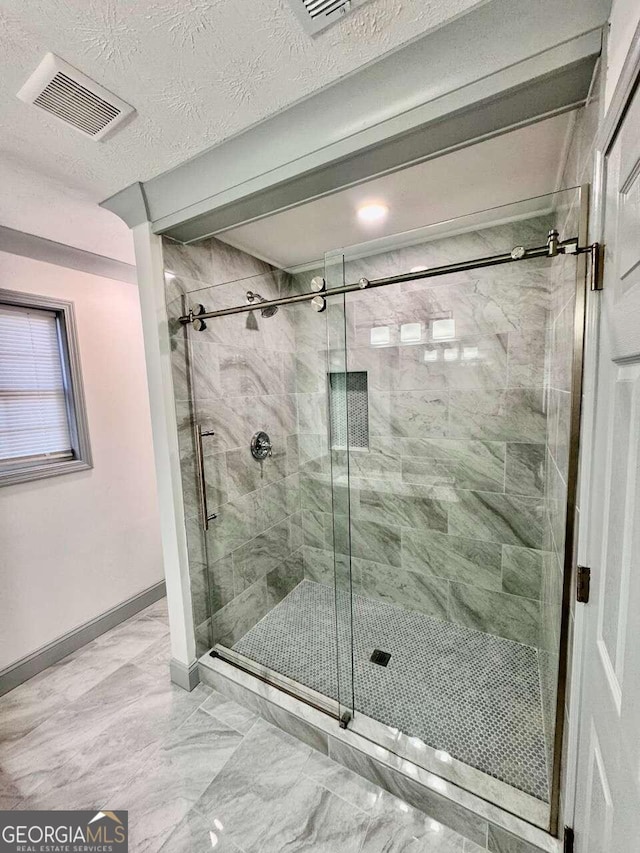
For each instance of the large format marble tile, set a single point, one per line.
(448, 813)
(527, 350)
(522, 571)
(173, 778)
(232, 714)
(466, 560)
(501, 841)
(356, 790)
(100, 768)
(476, 362)
(497, 415)
(255, 782)
(196, 832)
(491, 517)
(260, 555)
(32, 703)
(416, 414)
(373, 541)
(413, 590)
(319, 565)
(396, 827)
(316, 820)
(394, 506)
(285, 577)
(235, 618)
(463, 464)
(509, 616)
(525, 471)
(48, 747)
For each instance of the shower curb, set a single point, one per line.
(478, 820)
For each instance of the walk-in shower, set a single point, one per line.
(397, 549)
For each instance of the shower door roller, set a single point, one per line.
(261, 446)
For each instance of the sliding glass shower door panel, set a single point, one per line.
(456, 432)
(253, 412)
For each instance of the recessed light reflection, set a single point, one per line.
(434, 826)
(169, 275)
(443, 330)
(441, 755)
(451, 354)
(380, 336)
(214, 839)
(410, 333)
(370, 213)
(217, 823)
(418, 269)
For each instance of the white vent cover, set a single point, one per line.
(72, 97)
(316, 15)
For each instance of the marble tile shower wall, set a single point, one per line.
(235, 378)
(447, 503)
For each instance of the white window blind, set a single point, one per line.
(34, 421)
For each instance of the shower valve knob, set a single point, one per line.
(261, 446)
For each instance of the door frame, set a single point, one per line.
(628, 83)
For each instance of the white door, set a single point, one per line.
(608, 787)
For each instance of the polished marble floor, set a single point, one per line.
(104, 728)
(468, 693)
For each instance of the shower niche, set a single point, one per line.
(412, 504)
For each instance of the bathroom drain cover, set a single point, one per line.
(380, 657)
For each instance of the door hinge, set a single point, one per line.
(597, 266)
(569, 840)
(583, 584)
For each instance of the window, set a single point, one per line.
(43, 429)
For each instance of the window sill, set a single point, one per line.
(40, 472)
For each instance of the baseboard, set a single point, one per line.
(184, 676)
(24, 669)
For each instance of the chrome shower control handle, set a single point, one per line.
(261, 446)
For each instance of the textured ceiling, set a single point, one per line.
(197, 72)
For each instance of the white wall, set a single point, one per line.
(623, 21)
(74, 546)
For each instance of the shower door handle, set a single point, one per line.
(205, 516)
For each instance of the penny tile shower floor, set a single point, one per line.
(471, 694)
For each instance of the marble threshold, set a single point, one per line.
(361, 748)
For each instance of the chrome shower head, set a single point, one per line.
(265, 312)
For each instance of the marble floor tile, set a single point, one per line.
(35, 701)
(261, 774)
(229, 712)
(316, 820)
(356, 790)
(396, 827)
(196, 771)
(197, 833)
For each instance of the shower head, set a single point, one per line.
(265, 312)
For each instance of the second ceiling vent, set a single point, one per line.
(70, 96)
(316, 15)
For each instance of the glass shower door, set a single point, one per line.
(258, 482)
(457, 431)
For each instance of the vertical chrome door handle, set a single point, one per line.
(205, 516)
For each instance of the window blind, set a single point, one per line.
(34, 421)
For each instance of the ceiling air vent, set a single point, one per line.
(316, 15)
(72, 97)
